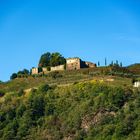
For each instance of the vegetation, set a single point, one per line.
(85, 110)
(117, 77)
(87, 104)
(20, 74)
(135, 68)
(54, 59)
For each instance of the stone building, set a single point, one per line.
(45, 70)
(137, 84)
(35, 71)
(73, 63)
(58, 68)
(76, 63)
(90, 64)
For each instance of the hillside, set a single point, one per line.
(134, 68)
(109, 75)
(85, 110)
(85, 104)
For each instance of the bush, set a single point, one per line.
(13, 76)
(2, 93)
(44, 88)
(55, 75)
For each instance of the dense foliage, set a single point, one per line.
(51, 59)
(90, 111)
(20, 74)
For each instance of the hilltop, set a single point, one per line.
(110, 75)
(52, 63)
(75, 104)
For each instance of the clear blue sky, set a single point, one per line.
(90, 29)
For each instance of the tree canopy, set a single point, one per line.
(51, 59)
(20, 74)
(82, 111)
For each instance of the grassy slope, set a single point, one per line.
(65, 78)
(134, 68)
(87, 110)
(98, 107)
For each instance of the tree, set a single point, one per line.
(25, 71)
(98, 64)
(57, 59)
(117, 62)
(121, 64)
(13, 76)
(105, 62)
(112, 63)
(54, 59)
(45, 60)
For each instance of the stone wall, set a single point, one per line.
(73, 63)
(35, 71)
(45, 70)
(58, 68)
(90, 64)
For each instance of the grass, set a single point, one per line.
(65, 78)
(135, 68)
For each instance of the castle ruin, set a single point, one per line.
(74, 63)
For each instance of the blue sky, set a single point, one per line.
(90, 29)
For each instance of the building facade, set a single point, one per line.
(73, 63)
(76, 63)
(45, 70)
(137, 84)
(35, 71)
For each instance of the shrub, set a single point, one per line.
(13, 76)
(55, 75)
(2, 93)
(44, 88)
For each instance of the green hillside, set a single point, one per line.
(86, 104)
(85, 110)
(134, 68)
(113, 76)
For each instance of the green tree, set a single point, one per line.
(57, 59)
(53, 59)
(24, 71)
(98, 64)
(121, 64)
(105, 62)
(45, 60)
(13, 76)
